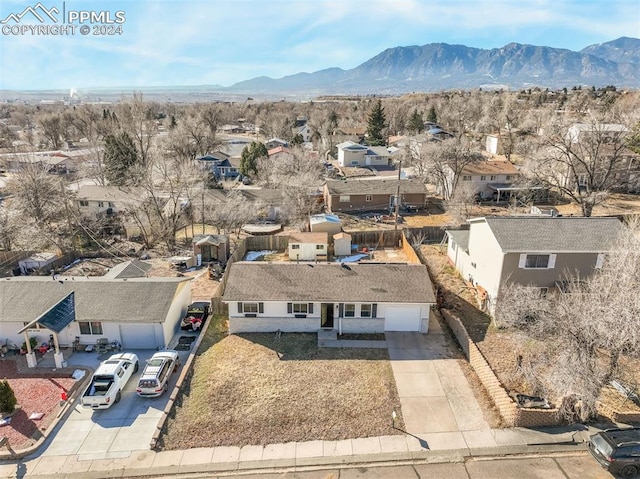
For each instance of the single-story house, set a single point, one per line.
(373, 194)
(308, 246)
(351, 298)
(140, 313)
(529, 250)
(221, 164)
(96, 200)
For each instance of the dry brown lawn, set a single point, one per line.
(257, 389)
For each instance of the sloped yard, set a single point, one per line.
(258, 389)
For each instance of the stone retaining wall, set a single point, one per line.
(510, 412)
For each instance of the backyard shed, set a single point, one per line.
(341, 244)
(36, 261)
(325, 223)
(211, 248)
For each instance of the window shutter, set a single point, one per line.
(310, 308)
(552, 261)
(523, 261)
(239, 307)
(260, 307)
(340, 310)
(374, 310)
(289, 308)
(599, 260)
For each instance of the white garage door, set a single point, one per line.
(402, 318)
(138, 336)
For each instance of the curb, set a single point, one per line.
(62, 414)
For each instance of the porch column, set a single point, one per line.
(31, 356)
(58, 357)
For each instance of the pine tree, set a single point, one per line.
(7, 397)
(250, 155)
(376, 123)
(120, 156)
(432, 116)
(416, 124)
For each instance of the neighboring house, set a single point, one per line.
(579, 131)
(304, 131)
(211, 248)
(374, 194)
(438, 134)
(140, 313)
(221, 164)
(58, 161)
(486, 179)
(279, 151)
(308, 246)
(94, 200)
(276, 142)
(269, 203)
(351, 298)
(354, 154)
(535, 251)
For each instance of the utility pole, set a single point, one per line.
(397, 211)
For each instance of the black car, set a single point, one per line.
(197, 314)
(617, 450)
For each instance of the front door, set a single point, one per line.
(326, 315)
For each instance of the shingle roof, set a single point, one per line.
(490, 168)
(379, 187)
(383, 283)
(129, 269)
(309, 237)
(146, 300)
(461, 237)
(111, 193)
(565, 234)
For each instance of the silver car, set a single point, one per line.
(155, 378)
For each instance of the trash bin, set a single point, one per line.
(64, 364)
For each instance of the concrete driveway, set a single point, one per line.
(438, 405)
(110, 433)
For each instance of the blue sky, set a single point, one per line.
(225, 41)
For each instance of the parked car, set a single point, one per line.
(109, 380)
(617, 450)
(197, 314)
(155, 377)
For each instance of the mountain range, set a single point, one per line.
(440, 66)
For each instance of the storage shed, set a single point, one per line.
(341, 244)
(36, 261)
(325, 223)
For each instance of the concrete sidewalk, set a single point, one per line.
(402, 448)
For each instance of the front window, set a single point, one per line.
(368, 198)
(483, 178)
(295, 246)
(300, 308)
(537, 261)
(349, 310)
(250, 307)
(466, 178)
(90, 327)
(319, 246)
(84, 203)
(345, 198)
(365, 311)
(493, 177)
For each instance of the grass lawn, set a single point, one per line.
(257, 389)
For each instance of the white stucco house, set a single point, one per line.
(350, 298)
(308, 246)
(140, 313)
(532, 251)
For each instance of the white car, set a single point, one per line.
(155, 378)
(109, 380)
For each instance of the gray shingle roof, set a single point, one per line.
(129, 269)
(145, 300)
(554, 235)
(379, 187)
(461, 237)
(383, 283)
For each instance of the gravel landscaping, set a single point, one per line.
(259, 389)
(39, 394)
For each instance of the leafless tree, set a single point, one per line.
(580, 166)
(582, 332)
(138, 119)
(53, 129)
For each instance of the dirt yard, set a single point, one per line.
(35, 395)
(257, 389)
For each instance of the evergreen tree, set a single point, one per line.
(7, 397)
(297, 140)
(376, 123)
(416, 123)
(432, 116)
(250, 155)
(120, 156)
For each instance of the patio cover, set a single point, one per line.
(58, 317)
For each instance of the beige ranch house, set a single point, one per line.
(348, 298)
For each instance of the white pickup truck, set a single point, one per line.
(109, 380)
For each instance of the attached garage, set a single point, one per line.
(138, 336)
(402, 318)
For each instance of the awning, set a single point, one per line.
(508, 187)
(209, 240)
(58, 317)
